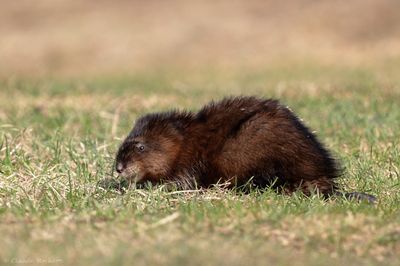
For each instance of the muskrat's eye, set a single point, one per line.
(141, 147)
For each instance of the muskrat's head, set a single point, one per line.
(150, 149)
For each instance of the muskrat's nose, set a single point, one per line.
(119, 168)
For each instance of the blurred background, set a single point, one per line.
(75, 38)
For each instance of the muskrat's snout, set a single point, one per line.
(124, 171)
(123, 162)
(119, 168)
(130, 171)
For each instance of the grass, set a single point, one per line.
(58, 138)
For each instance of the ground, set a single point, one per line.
(59, 137)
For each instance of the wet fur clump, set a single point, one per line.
(235, 141)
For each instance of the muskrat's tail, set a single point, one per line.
(358, 196)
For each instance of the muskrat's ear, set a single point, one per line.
(180, 120)
(178, 125)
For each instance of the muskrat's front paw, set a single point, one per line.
(112, 184)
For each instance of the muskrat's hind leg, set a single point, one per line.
(324, 186)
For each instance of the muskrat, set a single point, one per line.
(235, 141)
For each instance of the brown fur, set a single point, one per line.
(236, 140)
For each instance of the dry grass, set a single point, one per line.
(88, 37)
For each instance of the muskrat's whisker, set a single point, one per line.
(113, 167)
(109, 174)
(185, 191)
